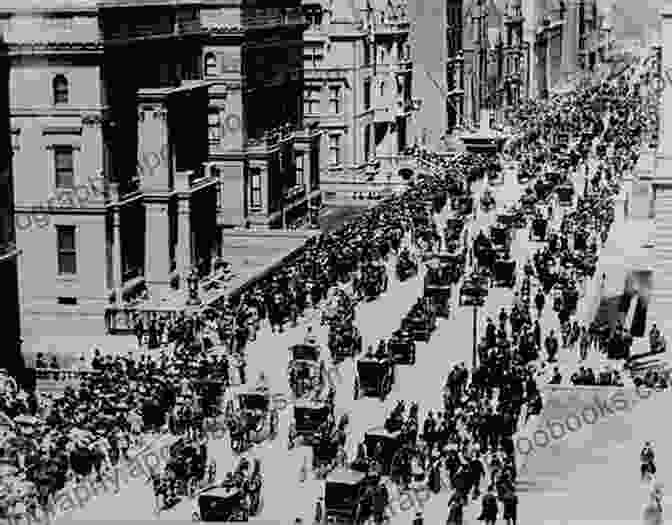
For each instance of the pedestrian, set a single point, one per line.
(319, 514)
(510, 504)
(653, 509)
(489, 508)
(418, 520)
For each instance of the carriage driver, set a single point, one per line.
(310, 338)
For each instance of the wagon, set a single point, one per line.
(252, 418)
(374, 377)
(565, 194)
(538, 229)
(349, 496)
(309, 416)
(345, 340)
(505, 273)
(384, 446)
(402, 347)
(306, 370)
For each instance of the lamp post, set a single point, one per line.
(479, 300)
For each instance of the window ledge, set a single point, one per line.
(68, 278)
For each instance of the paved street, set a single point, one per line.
(450, 344)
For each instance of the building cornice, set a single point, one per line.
(48, 48)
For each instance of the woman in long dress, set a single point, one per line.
(653, 510)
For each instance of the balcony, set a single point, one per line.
(287, 17)
(272, 138)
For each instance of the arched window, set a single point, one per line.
(60, 87)
(210, 65)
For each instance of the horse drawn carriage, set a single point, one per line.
(402, 347)
(406, 266)
(454, 228)
(463, 204)
(488, 202)
(309, 416)
(186, 470)
(384, 446)
(474, 289)
(345, 341)
(235, 499)
(328, 440)
(349, 496)
(306, 370)
(501, 237)
(252, 418)
(504, 272)
(374, 377)
(565, 194)
(539, 229)
(438, 286)
(420, 321)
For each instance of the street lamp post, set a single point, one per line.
(479, 300)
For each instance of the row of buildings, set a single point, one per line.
(210, 128)
(493, 53)
(206, 127)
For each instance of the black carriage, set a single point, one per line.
(419, 326)
(349, 496)
(501, 238)
(221, 504)
(504, 273)
(345, 341)
(539, 229)
(406, 267)
(306, 370)
(402, 347)
(187, 466)
(235, 499)
(438, 288)
(453, 229)
(252, 419)
(565, 194)
(463, 204)
(309, 417)
(374, 377)
(384, 446)
(488, 201)
(473, 291)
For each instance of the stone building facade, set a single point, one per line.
(142, 133)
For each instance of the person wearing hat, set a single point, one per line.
(418, 520)
(653, 509)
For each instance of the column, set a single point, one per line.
(116, 255)
(570, 39)
(183, 254)
(157, 254)
(549, 66)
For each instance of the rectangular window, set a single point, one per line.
(300, 181)
(312, 57)
(367, 142)
(66, 250)
(367, 94)
(335, 99)
(214, 126)
(334, 150)
(311, 100)
(255, 189)
(63, 162)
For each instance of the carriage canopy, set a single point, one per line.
(253, 401)
(304, 352)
